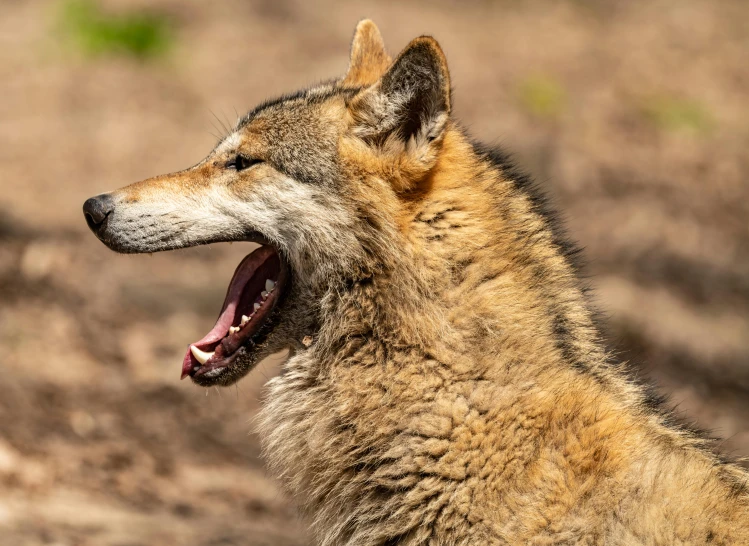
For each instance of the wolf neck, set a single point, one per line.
(478, 269)
(475, 298)
(512, 283)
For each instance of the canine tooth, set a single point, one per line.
(200, 356)
(256, 306)
(264, 294)
(269, 285)
(245, 320)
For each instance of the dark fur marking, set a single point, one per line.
(397, 539)
(564, 343)
(436, 217)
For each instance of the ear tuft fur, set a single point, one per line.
(420, 83)
(369, 59)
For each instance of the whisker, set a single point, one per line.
(221, 123)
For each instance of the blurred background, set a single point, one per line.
(634, 116)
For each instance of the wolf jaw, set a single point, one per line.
(258, 285)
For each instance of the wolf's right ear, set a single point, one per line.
(411, 102)
(369, 60)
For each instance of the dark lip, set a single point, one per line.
(228, 364)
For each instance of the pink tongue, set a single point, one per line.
(242, 276)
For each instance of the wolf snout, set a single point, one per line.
(97, 210)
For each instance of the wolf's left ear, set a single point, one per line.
(410, 101)
(369, 60)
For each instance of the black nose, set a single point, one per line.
(97, 210)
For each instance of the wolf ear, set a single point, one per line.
(369, 60)
(411, 100)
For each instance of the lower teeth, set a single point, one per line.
(202, 356)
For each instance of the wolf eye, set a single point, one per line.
(240, 162)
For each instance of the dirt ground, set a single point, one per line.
(634, 116)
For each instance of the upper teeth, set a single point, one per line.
(269, 284)
(200, 356)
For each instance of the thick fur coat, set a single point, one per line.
(446, 384)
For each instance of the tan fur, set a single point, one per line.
(447, 384)
(461, 423)
(369, 59)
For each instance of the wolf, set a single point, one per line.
(446, 383)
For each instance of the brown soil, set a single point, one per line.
(633, 115)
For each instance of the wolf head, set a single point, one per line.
(320, 178)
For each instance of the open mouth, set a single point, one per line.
(258, 285)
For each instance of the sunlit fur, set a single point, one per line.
(455, 391)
